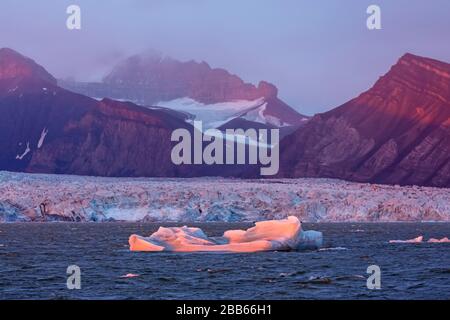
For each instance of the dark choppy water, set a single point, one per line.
(34, 258)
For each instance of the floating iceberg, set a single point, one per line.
(420, 240)
(275, 235)
(443, 240)
(129, 275)
(415, 240)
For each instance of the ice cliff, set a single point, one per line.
(29, 197)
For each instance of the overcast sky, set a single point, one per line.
(318, 53)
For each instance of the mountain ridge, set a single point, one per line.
(47, 129)
(154, 80)
(396, 132)
(13, 65)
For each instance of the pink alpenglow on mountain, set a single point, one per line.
(52, 130)
(14, 66)
(397, 132)
(193, 88)
(275, 235)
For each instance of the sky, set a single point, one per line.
(319, 54)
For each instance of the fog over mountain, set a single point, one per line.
(307, 49)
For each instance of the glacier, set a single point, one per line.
(42, 197)
(212, 115)
(275, 235)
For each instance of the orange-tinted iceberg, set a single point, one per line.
(275, 235)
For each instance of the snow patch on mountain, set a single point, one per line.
(258, 115)
(42, 138)
(13, 89)
(27, 150)
(212, 115)
(239, 139)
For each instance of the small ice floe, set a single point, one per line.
(275, 235)
(415, 240)
(290, 274)
(129, 275)
(333, 249)
(420, 240)
(443, 240)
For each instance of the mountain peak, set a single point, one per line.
(396, 132)
(267, 89)
(13, 65)
(410, 56)
(428, 76)
(163, 78)
(426, 65)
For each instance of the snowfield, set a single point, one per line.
(32, 197)
(217, 114)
